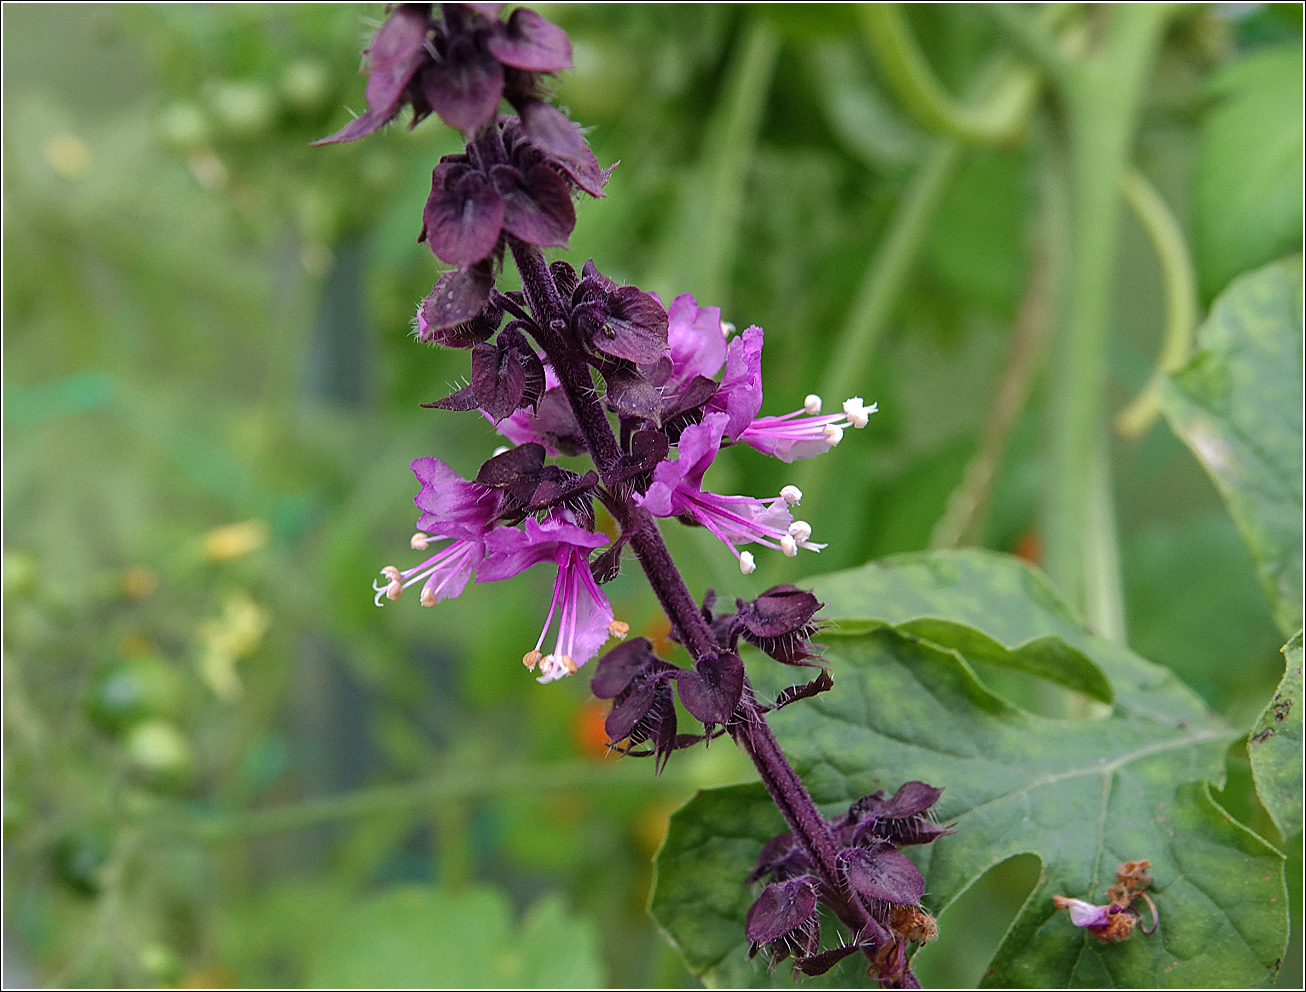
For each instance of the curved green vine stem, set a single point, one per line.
(1180, 281)
(999, 120)
(1032, 36)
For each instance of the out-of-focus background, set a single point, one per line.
(223, 764)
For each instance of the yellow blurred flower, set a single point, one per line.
(235, 634)
(234, 540)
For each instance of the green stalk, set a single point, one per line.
(1180, 281)
(698, 255)
(868, 316)
(1101, 93)
(999, 120)
(453, 787)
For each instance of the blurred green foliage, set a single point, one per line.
(218, 753)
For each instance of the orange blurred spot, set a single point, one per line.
(1029, 546)
(210, 976)
(604, 522)
(658, 631)
(134, 645)
(650, 826)
(587, 729)
(139, 582)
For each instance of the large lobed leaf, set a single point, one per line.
(1082, 795)
(1275, 746)
(1237, 405)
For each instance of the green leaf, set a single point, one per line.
(1237, 405)
(430, 938)
(1249, 168)
(1275, 747)
(1081, 795)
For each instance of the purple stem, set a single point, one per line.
(748, 727)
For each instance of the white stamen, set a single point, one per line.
(418, 541)
(746, 563)
(554, 667)
(789, 546)
(395, 587)
(833, 434)
(499, 450)
(857, 411)
(812, 404)
(619, 628)
(800, 530)
(727, 328)
(792, 495)
(428, 597)
(530, 659)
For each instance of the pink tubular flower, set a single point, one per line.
(453, 508)
(696, 341)
(584, 614)
(803, 433)
(677, 490)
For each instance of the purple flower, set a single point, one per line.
(621, 321)
(677, 490)
(552, 424)
(784, 920)
(452, 508)
(639, 685)
(506, 376)
(457, 312)
(902, 819)
(802, 433)
(696, 341)
(780, 623)
(882, 872)
(502, 183)
(584, 614)
(459, 65)
(1109, 924)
